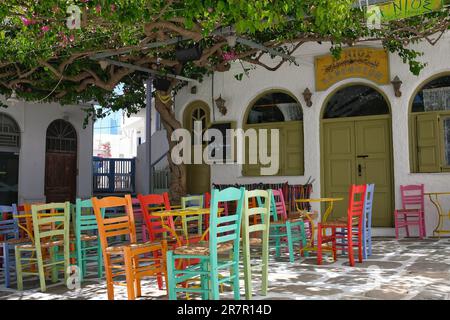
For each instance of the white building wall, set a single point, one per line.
(33, 120)
(239, 94)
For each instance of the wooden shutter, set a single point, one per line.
(292, 149)
(428, 143)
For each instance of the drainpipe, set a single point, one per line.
(148, 131)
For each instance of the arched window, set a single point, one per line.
(277, 110)
(430, 127)
(354, 101)
(61, 137)
(9, 132)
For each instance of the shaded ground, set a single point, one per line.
(405, 269)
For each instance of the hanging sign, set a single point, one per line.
(401, 9)
(358, 62)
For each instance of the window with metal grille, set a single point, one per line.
(61, 137)
(9, 132)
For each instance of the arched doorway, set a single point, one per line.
(277, 109)
(9, 159)
(357, 148)
(198, 175)
(61, 162)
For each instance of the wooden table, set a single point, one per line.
(434, 198)
(310, 216)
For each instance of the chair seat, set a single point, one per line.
(202, 248)
(85, 237)
(15, 241)
(119, 248)
(255, 241)
(43, 244)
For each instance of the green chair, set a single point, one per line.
(87, 242)
(256, 235)
(192, 202)
(285, 231)
(51, 223)
(218, 255)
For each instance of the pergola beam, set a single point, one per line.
(143, 69)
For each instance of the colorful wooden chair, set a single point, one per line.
(86, 238)
(224, 238)
(51, 223)
(9, 230)
(256, 234)
(412, 212)
(341, 235)
(354, 220)
(285, 231)
(153, 225)
(125, 258)
(192, 221)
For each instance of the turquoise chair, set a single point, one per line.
(86, 238)
(220, 253)
(285, 231)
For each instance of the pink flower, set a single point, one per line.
(45, 29)
(71, 38)
(26, 21)
(227, 56)
(113, 7)
(98, 8)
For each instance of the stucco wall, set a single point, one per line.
(239, 94)
(33, 120)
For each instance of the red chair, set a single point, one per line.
(153, 223)
(413, 210)
(353, 220)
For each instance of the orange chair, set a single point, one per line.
(124, 258)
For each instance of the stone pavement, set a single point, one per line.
(405, 269)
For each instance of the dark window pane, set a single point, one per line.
(434, 96)
(61, 137)
(353, 101)
(275, 107)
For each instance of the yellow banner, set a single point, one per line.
(367, 63)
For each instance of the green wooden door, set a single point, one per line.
(359, 152)
(198, 176)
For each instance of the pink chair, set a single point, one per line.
(413, 210)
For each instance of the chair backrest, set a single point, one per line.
(278, 206)
(261, 211)
(192, 202)
(226, 228)
(370, 189)
(413, 196)
(85, 219)
(153, 223)
(51, 222)
(356, 198)
(115, 226)
(9, 225)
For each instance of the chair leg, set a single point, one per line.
(319, 244)
(265, 260)
(129, 274)
(159, 276)
(214, 276)
(290, 244)
(247, 267)
(99, 260)
(333, 243)
(422, 215)
(171, 281)
(53, 258)
(109, 279)
(137, 280)
(6, 264)
(236, 288)
(40, 264)
(79, 252)
(406, 225)
(396, 224)
(360, 246)
(19, 277)
(304, 242)
(350, 246)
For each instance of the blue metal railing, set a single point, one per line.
(113, 175)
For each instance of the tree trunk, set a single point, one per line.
(163, 104)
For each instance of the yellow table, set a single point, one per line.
(434, 198)
(309, 216)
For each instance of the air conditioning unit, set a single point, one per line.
(188, 54)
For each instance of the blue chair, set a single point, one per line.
(9, 229)
(224, 240)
